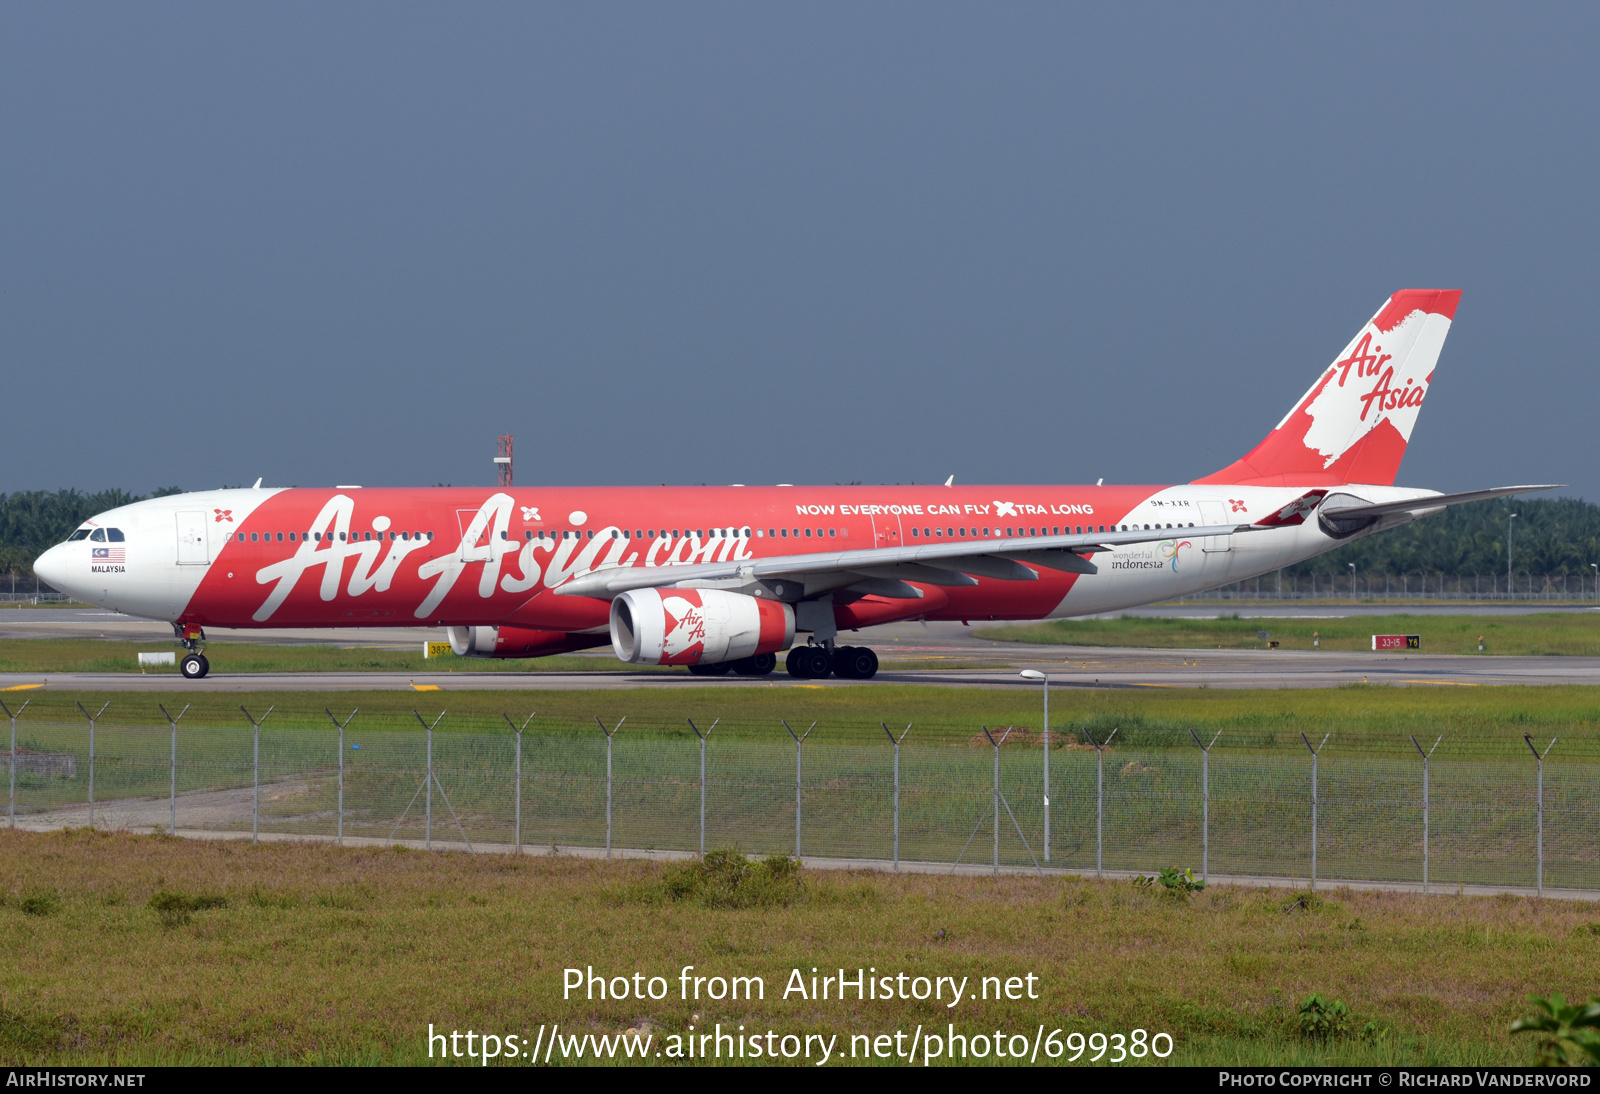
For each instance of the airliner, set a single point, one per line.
(723, 579)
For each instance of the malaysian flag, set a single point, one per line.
(108, 554)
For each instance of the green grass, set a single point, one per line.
(1543, 634)
(126, 950)
(1478, 719)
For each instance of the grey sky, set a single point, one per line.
(761, 243)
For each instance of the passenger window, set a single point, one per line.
(291, 537)
(808, 533)
(280, 537)
(99, 536)
(830, 533)
(253, 538)
(114, 535)
(241, 537)
(342, 538)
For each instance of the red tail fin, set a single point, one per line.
(1354, 423)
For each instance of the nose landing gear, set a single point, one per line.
(194, 665)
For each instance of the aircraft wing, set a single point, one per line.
(1348, 506)
(884, 570)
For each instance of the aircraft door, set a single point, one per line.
(885, 530)
(193, 550)
(477, 549)
(1214, 513)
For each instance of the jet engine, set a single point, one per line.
(697, 626)
(517, 641)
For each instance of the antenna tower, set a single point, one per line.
(502, 461)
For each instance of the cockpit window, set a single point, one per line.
(114, 535)
(99, 536)
(81, 533)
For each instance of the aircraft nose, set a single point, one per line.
(51, 567)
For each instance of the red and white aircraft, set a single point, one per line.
(723, 578)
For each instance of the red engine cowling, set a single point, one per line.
(517, 641)
(696, 626)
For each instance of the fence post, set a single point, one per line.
(1099, 798)
(1205, 805)
(255, 794)
(702, 737)
(11, 809)
(93, 718)
(172, 800)
(896, 742)
(1539, 757)
(798, 742)
(427, 829)
(341, 726)
(516, 822)
(1425, 757)
(1314, 752)
(609, 734)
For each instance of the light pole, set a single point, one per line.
(1509, 588)
(1352, 566)
(1035, 674)
(1595, 566)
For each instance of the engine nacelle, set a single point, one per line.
(517, 641)
(697, 626)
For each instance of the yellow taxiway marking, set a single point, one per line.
(1450, 683)
(424, 687)
(24, 687)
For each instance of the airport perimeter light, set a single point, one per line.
(1038, 677)
(1595, 566)
(1509, 519)
(1352, 566)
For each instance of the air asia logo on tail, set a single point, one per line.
(1354, 423)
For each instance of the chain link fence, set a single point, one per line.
(1384, 811)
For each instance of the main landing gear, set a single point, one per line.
(845, 662)
(194, 665)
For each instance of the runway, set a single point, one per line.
(939, 654)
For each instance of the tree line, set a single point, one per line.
(32, 521)
(1551, 537)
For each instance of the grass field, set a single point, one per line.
(141, 950)
(1477, 719)
(1542, 634)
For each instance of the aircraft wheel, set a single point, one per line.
(194, 666)
(855, 663)
(760, 664)
(843, 662)
(717, 668)
(809, 662)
